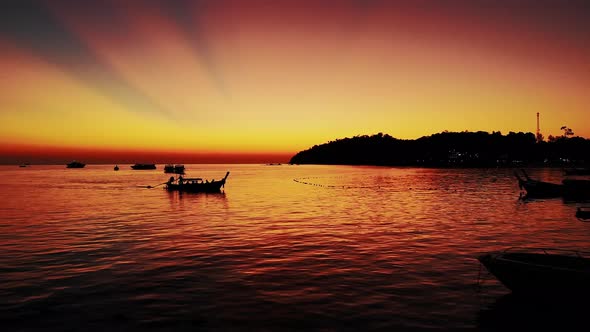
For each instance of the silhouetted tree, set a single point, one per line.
(567, 131)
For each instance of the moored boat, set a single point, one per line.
(577, 171)
(583, 213)
(176, 169)
(196, 185)
(576, 189)
(75, 164)
(143, 166)
(540, 271)
(538, 189)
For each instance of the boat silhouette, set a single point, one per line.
(538, 189)
(176, 169)
(541, 271)
(75, 164)
(196, 185)
(143, 166)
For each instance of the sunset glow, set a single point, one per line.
(270, 78)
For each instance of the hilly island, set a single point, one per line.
(451, 149)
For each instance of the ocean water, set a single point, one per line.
(282, 248)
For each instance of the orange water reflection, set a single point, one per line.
(349, 240)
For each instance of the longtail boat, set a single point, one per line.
(538, 189)
(195, 185)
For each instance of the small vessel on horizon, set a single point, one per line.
(176, 169)
(195, 185)
(75, 164)
(143, 166)
(116, 168)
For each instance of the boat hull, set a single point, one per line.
(540, 274)
(538, 189)
(577, 171)
(174, 169)
(196, 188)
(583, 214)
(143, 166)
(75, 165)
(576, 189)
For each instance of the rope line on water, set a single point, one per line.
(301, 180)
(304, 180)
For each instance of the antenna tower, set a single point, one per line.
(538, 128)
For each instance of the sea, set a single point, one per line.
(282, 247)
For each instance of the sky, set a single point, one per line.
(256, 81)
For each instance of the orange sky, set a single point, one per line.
(270, 78)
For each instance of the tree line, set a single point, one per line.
(450, 149)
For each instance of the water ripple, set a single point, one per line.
(289, 247)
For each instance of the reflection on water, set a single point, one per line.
(351, 248)
(181, 198)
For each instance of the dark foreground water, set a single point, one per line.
(284, 248)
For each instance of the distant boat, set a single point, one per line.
(116, 167)
(538, 189)
(75, 164)
(24, 165)
(143, 166)
(177, 169)
(195, 185)
(541, 271)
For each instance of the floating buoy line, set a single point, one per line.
(310, 182)
(305, 180)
